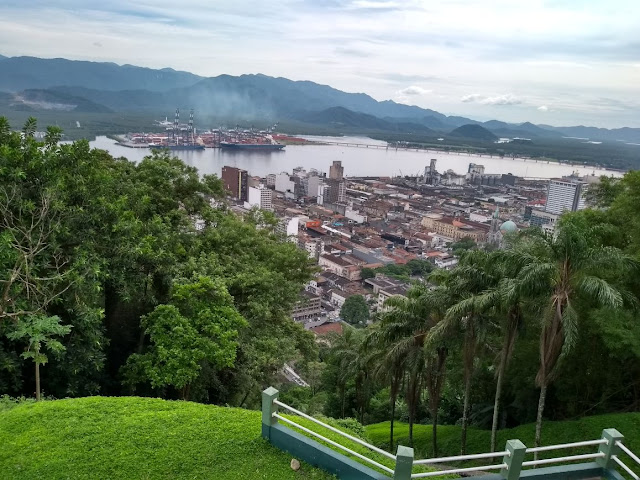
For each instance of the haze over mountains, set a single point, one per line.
(33, 84)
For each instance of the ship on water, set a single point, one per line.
(251, 146)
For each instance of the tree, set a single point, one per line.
(355, 310)
(367, 273)
(41, 333)
(463, 245)
(419, 268)
(562, 272)
(200, 326)
(405, 334)
(469, 279)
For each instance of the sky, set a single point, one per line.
(557, 62)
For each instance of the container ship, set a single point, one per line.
(193, 146)
(251, 146)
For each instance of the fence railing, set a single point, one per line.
(512, 458)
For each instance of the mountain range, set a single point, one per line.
(33, 84)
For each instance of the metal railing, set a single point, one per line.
(335, 430)
(621, 464)
(610, 447)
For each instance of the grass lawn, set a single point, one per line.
(138, 438)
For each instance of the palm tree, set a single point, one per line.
(471, 278)
(404, 329)
(509, 304)
(561, 272)
(387, 368)
(346, 349)
(503, 301)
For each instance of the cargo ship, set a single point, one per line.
(190, 146)
(251, 146)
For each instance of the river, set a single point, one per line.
(356, 161)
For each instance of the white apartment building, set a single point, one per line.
(289, 227)
(565, 195)
(260, 197)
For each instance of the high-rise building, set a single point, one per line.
(323, 193)
(431, 176)
(565, 195)
(336, 171)
(337, 191)
(309, 185)
(236, 182)
(260, 197)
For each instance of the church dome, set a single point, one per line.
(508, 227)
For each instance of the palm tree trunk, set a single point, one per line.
(434, 432)
(246, 395)
(496, 402)
(465, 414)
(410, 428)
(393, 417)
(37, 381)
(543, 396)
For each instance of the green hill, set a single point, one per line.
(588, 428)
(135, 438)
(472, 131)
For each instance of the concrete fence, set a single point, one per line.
(511, 464)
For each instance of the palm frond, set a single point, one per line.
(600, 290)
(569, 328)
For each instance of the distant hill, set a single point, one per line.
(593, 133)
(20, 73)
(340, 117)
(51, 100)
(495, 124)
(127, 88)
(472, 131)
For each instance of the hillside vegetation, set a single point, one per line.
(588, 428)
(132, 437)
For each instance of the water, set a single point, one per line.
(356, 161)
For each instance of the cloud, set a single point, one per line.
(474, 97)
(351, 52)
(543, 108)
(507, 99)
(413, 90)
(379, 47)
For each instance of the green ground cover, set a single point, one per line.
(138, 438)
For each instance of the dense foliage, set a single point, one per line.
(110, 249)
(355, 310)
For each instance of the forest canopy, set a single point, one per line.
(99, 256)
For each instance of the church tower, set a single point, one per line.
(495, 235)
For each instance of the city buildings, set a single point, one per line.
(261, 197)
(288, 227)
(347, 224)
(307, 308)
(235, 181)
(455, 228)
(565, 194)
